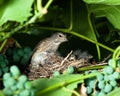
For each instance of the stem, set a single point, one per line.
(48, 4)
(116, 54)
(91, 68)
(71, 91)
(32, 20)
(64, 83)
(39, 5)
(3, 44)
(92, 41)
(93, 31)
(71, 16)
(79, 35)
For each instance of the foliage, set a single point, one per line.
(96, 21)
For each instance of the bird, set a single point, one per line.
(46, 48)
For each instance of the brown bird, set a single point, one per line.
(46, 48)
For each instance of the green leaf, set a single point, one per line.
(107, 2)
(115, 92)
(1, 93)
(80, 21)
(112, 13)
(57, 86)
(15, 10)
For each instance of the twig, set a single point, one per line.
(66, 58)
(105, 59)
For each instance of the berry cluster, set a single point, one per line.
(16, 84)
(104, 82)
(20, 55)
(3, 64)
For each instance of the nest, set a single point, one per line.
(56, 63)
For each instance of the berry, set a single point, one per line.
(89, 90)
(28, 85)
(7, 91)
(106, 77)
(56, 73)
(22, 78)
(16, 57)
(101, 85)
(108, 88)
(27, 50)
(102, 94)
(70, 69)
(92, 83)
(14, 71)
(113, 83)
(20, 52)
(110, 62)
(116, 75)
(25, 93)
(10, 82)
(20, 86)
(108, 70)
(100, 77)
(6, 76)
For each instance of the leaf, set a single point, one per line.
(15, 10)
(115, 92)
(80, 21)
(112, 13)
(55, 86)
(107, 2)
(1, 93)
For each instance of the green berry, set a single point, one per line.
(101, 85)
(102, 94)
(56, 73)
(1, 57)
(25, 93)
(108, 88)
(22, 78)
(92, 83)
(16, 57)
(14, 71)
(106, 77)
(13, 88)
(20, 86)
(10, 82)
(108, 70)
(94, 71)
(25, 59)
(89, 90)
(27, 50)
(113, 83)
(28, 85)
(100, 77)
(87, 72)
(110, 62)
(5, 69)
(70, 69)
(20, 52)
(2, 64)
(6, 76)
(116, 75)
(7, 92)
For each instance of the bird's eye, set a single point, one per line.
(60, 35)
